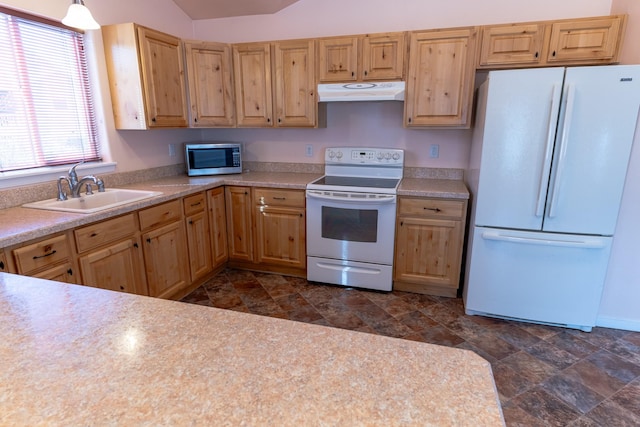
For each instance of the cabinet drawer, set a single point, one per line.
(432, 207)
(195, 203)
(279, 197)
(98, 234)
(161, 214)
(42, 254)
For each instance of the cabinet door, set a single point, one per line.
(252, 72)
(218, 226)
(585, 40)
(210, 89)
(117, 267)
(281, 236)
(383, 57)
(441, 76)
(239, 223)
(59, 273)
(295, 84)
(511, 45)
(199, 244)
(4, 267)
(165, 256)
(428, 251)
(163, 76)
(338, 59)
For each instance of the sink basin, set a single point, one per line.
(96, 202)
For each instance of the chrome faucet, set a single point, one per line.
(75, 190)
(75, 184)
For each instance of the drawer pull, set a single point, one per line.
(45, 255)
(93, 234)
(433, 209)
(195, 204)
(1, 265)
(279, 198)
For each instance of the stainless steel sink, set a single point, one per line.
(96, 202)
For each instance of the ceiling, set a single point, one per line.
(210, 9)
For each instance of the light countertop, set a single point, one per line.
(75, 355)
(18, 224)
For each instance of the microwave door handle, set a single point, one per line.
(377, 201)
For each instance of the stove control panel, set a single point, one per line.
(366, 156)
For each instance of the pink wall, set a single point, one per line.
(619, 307)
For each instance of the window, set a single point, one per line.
(46, 109)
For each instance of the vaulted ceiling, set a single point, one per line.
(210, 9)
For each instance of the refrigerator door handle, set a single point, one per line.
(548, 151)
(564, 142)
(584, 243)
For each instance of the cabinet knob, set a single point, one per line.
(536, 55)
(195, 119)
(153, 120)
(554, 53)
(1, 265)
(70, 272)
(135, 245)
(148, 240)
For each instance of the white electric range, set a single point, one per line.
(351, 215)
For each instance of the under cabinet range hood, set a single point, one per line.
(362, 91)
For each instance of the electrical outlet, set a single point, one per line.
(309, 150)
(172, 150)
(434, 151)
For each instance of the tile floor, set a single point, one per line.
(546, 376)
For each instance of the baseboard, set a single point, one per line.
(614, 323)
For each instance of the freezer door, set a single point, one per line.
(595, 134)
(517, 140)
(537, 277)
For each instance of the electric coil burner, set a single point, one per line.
(351, 215)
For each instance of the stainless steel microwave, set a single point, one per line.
(213, 158)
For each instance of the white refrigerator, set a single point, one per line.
(548, 163)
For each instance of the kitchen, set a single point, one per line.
(376, 123)
(132, 148)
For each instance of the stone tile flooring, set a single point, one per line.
(546, 376)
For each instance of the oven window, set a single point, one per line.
(353, 225)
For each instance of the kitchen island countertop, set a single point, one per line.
(75, 355)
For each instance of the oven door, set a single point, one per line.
(351, 226)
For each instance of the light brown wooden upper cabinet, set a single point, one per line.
(296, 103)
(146, 77)
(551, 43)
(440, 78)
(252, 72)
(292, 92)
(210, 77)
(505, 45)
(360, 58)
(586, 40)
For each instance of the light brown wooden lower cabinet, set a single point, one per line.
(4, 267)
(218, 226)
(50, 258)
(116, 267)
(166, 265)
(429, 241)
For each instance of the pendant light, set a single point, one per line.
(78, 16)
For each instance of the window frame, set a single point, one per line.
(18, 177)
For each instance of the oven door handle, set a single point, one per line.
(378, 200)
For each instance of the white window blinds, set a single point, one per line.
(46, 109)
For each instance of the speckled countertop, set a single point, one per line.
(18, 224)
(75, 355)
